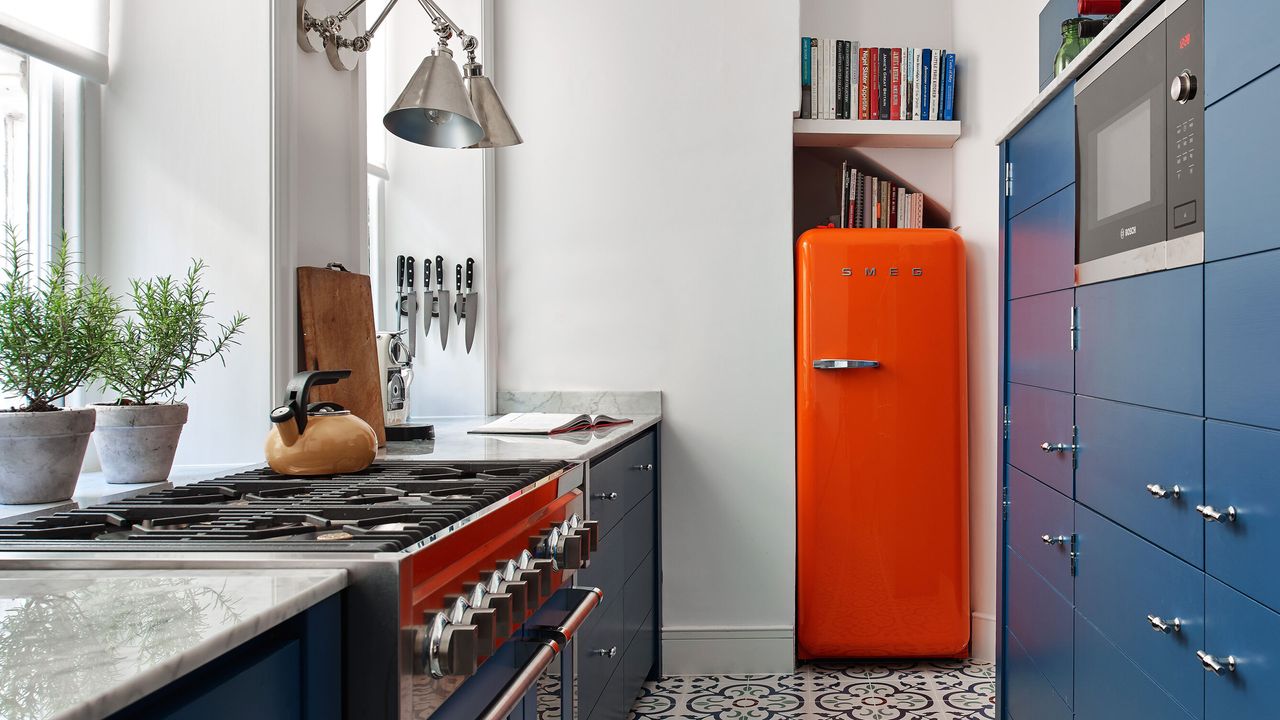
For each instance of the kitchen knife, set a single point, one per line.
(410, 310)
(427, 297)
(471, 307)
(399, 310)
(440, 303)
(459, 300)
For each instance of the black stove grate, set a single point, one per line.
(389, 506)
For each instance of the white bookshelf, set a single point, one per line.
(875, 133)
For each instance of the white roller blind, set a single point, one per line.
(71, 34)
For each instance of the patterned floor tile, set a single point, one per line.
(934, 690)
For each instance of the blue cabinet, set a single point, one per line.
(1036, 511)
(1242, 339)
(1240, 44)
(1038, 417)
(1043, 154)
(1240, 629)
(1040, 341)
(1042, 246)
(1028, 695)
(1242, 478)
(1142, 340)
(1239, 163)
(1113, 688)
(1042, 623)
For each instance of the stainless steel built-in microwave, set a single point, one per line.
(1140, 139)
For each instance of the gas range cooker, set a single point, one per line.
(454, 569)
(391, 506)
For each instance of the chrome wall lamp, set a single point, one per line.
(441, 106)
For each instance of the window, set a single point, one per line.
(375, 65)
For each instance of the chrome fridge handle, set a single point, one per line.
(844, 364)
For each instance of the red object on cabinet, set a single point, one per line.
(1099, 7)
(882, 451)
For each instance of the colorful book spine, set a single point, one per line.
(909, 82)
(886, 61)
(806, 79)
(840, 81)
(895, 85)
(949, 88)
(873, 81)
(927, 58)
(935, 85)
(916, 63)
(863, 90)
(813, 78)
(850, 73)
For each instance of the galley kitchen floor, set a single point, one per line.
(950, 689)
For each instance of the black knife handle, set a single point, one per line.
(457, 277)
(471, 265)
(440, 272)
(408, 273)
(426, 273)
(399, 271)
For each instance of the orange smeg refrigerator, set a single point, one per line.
(882, 445)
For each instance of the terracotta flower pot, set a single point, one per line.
(41, 454)
(136, 443)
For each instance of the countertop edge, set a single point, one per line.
(156, 678)
(1115, 31)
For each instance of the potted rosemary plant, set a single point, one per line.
(163, 338)
(54, 328)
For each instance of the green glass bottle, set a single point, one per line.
(1072, 44)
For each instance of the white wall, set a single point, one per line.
(645, 237)
(185, 173)
(996, 51)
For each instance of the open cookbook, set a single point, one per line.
(546, 424)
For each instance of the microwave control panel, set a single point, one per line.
(1185, 120)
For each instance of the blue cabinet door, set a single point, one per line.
(1027, 693)
(1043, 153)
(1239, 164)
(1040, 341)
(1036, 510)
(1240, 628)
(1142, 340)
(1110, 687)
(1038, 416)
(1122, 581)
(1127, 449)
(1041, 246)
(1240, 44)
(1041, 620)
(1242, 471)
(1242, 339)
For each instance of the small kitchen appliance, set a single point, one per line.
(460, 601)
(881, 445)
(1140, 127)
(322, 438)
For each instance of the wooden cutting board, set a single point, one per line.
(335, 312)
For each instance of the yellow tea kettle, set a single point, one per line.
(318, 438)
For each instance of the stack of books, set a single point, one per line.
(839, 80)
(867, 201)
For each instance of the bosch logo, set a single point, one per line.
(1126, 232)
(891, 272)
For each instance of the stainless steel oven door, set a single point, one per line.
(529, 676)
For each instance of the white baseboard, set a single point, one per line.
(728, 651)
(982, 643)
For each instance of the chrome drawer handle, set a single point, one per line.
(1216, 665)
(1211, 515)
(1058, 447)
(1051, 540)
(605, 496)
(611, 652)
(1160, 492)
(845, 364)
(1174, 625)
(647, 467)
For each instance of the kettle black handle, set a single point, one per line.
(296, 395)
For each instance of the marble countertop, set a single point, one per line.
(453, 442)
(76, 645)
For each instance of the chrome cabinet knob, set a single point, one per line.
(1216, 665)
(1211, 515)
(646, 467)
(1057, 447)
(1160, 492)
(1161, 626)
(611, 652)
(1054, 540)
(605, 496)
(1183, 87)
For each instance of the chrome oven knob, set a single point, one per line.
(518, 591)
(592, 528)
(445, 648)
(511, 572)
(1183, 87)
(499, 602)
(470, 610)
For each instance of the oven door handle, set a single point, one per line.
(510, 696)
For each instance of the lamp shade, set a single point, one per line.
(499, 131)
(434, 109)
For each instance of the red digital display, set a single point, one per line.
(1184, 42)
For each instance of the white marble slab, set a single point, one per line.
(80, 645)
(453, 442)
(594, 402)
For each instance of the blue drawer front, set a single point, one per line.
(1240, 44)
(1036, 510)
(1242, 341)
(1041, 619)
(1239, 627)
(1239, 185)
(1125, 448)
(1038, 416)
(1111, 687)
(1242, 470)
(1027, 693)
(1142, 340)
(1121, 580)
(1041, 246)
(1043, 153)
(1040, 341)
